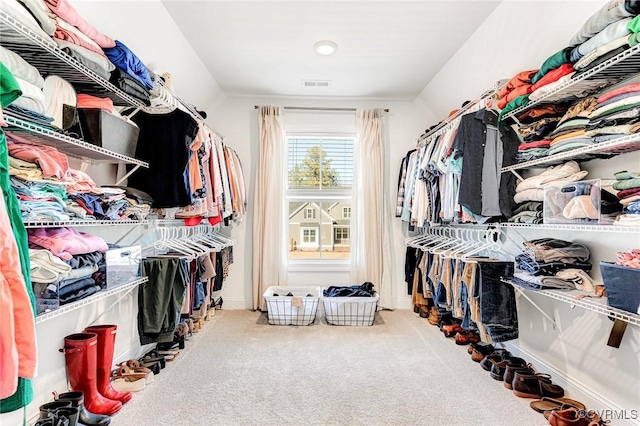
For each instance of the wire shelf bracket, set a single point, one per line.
(594, 305)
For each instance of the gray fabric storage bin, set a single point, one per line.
(623, 286)
(101, 128)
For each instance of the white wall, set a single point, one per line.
(236, 119)
(518, 36)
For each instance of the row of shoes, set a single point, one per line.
(518, 375)
(97, 390)
(135, 375)
(92, 400)
(450, 327)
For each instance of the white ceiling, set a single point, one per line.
(386, 49)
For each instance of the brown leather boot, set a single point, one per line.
(535, 386)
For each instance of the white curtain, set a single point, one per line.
(370, 254)
(269, 259)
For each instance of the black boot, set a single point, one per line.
(58, 413)
(76, 399)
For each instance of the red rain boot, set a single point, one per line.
(106, 343)
(80, 352)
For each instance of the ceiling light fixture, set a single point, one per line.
(325, 47)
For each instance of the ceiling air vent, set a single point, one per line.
(315, 83)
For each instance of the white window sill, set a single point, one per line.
(319, 266)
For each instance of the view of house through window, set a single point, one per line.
(320, 172)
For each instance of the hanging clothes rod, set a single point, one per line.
(295, 108)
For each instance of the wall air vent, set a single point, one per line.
(316, 83)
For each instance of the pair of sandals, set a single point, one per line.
(131, 376)
(567, 408)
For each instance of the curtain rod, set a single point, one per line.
(318, 108)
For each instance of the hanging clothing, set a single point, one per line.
(485, 149)
(23, 395)
(160, 299)
(164, 142)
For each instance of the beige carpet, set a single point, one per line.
(239, 370)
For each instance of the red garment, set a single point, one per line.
(537, 144)
(524, 89)
(635, 87)
(550, 110)
(553, 75)
(62, 34)
(51, 161)
(88, 101)
(626, 193)
(520, 79)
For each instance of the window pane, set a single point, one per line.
(317, 163)
(326, 235)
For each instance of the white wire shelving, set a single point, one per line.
(45, 55)
(89, 300)
(610, 148)
(613, 229)
(73, 147)
(597, 305)
(58, 224)
(613, 70)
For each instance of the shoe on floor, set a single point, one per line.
(465, 337)
(498, 368)
(535, 386)
(480, 350)
(497, 355)
(547, 404)
(123, 384)
(511, 370)
(573, 417)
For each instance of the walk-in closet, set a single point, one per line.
(319, 213)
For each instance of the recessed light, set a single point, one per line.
(325, 47)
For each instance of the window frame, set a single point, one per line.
(317, 196)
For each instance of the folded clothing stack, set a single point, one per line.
(628, 186)
(532, 188)
(570, 132)
(57, 281)
(554, 263)
(616, 114)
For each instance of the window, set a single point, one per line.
(341, 235)
(309, 213)
(320, 171)
(309, 236)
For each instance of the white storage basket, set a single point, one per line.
(299, 309)
(354, 311)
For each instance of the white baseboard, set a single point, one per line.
(573, 388)
(235, 303)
